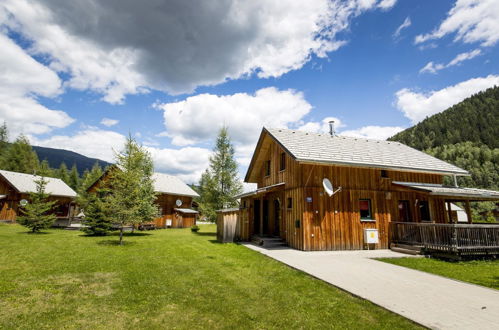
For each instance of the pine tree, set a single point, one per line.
(97, 222)
(220, 183)
(131, 200)
(74, 178)
(45, 170)
(4, 142)
(20, 157)
(63, 173)
(37, 215)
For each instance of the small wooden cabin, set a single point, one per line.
(174, 200)
(15, 187)
(382, 183)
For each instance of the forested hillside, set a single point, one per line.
(466, 135)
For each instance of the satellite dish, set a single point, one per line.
(23, 202)
(178, 203)
(328, 187)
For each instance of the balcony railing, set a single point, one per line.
(447, 238)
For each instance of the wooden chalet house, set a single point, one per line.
(393, 191)
(174, 200)
(15, 187)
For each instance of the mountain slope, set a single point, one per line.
(475, 119)
(57, 156)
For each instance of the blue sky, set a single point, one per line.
(82, 76)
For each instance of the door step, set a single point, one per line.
(406, 249)
(268, 242)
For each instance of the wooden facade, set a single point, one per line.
(290, 201)
(64, 208)
(167, 217)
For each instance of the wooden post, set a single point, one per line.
(449, 212)
(261, 216)
(468, 210)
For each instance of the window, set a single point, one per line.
(424, 211)
(267, 168)
(290, 203)
(282, 166)
(384, 174)
(365, 209)
(404, 211)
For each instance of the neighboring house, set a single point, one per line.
(174, 200)
(15, 187)
(381, 182)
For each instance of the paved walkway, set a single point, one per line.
(433, 301)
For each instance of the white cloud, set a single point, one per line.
(22, 80)
(430, 67)
(126, 47)
(373, 132)
(322, 126)
(109, 122)
(198, 118)
(471, 21)
(387, 4)
(416, 106)
(407, 22)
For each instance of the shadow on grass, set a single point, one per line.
(214, 241)
(112, 242)
(206, 234)
(33, 233)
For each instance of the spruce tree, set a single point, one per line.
(20, 157)
(44, 169)
(74, 178)
(220, 183)
(4, 142)
(63, 173)
(96, 221)
(131, 200)
(37, 214)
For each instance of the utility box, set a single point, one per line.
(371, 236)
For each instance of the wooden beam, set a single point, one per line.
(449, 212)
(468, 210)
(261, 216)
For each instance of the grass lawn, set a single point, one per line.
(479, 272)
(164, 279)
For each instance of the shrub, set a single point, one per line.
(195, 228)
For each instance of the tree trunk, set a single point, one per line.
(121, 235)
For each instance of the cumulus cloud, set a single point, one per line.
(471, 21)
(198, 118)
(108, 122)
(373, 132)
(416, 106)
(431, 67)
(127, 47)
(22, 80)
(407, 22)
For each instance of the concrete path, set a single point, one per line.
(431, 300)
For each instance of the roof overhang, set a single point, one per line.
(186, 211)
(450, 192)
(261, 190)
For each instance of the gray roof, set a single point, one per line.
(187, 211)
(169, 184)
(442, 190)
(25, 183)
(324, 148)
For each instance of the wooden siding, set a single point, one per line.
(166, 204)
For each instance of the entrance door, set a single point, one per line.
(404, 211)
(277, 217)
(265, 217)
(256, 217)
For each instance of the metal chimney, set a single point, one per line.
(331, 128)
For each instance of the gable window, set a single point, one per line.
(404, 211)
(267, 168)
(424, 211)
(365, 209)
(290, 203)
(282, 162)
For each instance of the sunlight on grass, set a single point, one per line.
(169, 279)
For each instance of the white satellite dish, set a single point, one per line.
(178, 203)
(328, 187)
(23, 202)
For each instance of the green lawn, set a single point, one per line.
(164, 279)
(479, 272)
